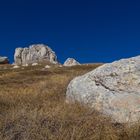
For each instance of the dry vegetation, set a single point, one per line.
(32, 107)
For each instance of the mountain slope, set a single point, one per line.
(33, 107)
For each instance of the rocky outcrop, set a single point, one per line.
(71, 62)
(4, 60)
(112, 89)
(34, 54)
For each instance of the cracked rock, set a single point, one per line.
(112, 89)
(34, 54)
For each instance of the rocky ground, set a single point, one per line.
(33, 107)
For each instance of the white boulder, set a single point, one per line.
(34, 64)
(112, 89)
(71, 62)
(34, 54)
(16, 67)
(47, 67)
(25, 65)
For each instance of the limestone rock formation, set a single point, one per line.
(34, 54)
(112, 89)
(71, 62)
(4, 60)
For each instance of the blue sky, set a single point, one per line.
(88, 30)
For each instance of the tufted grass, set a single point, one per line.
(32, 107)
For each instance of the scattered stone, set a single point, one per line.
(16, 67)
(33, 54)
(112, 89)
(47, 67)
(71, 62)
(34, 64)
(60, 66)
(25, 65)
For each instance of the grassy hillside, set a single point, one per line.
(32, 107)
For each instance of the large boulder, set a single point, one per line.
(34, 54)
(4, 60)
(112, 89)
(71, 62)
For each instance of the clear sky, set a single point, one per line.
(88, 30)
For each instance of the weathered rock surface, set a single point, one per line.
(71, 62)
(33, 54)
(4, 60)
(113, 89)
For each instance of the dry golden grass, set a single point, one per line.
(32, 107)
